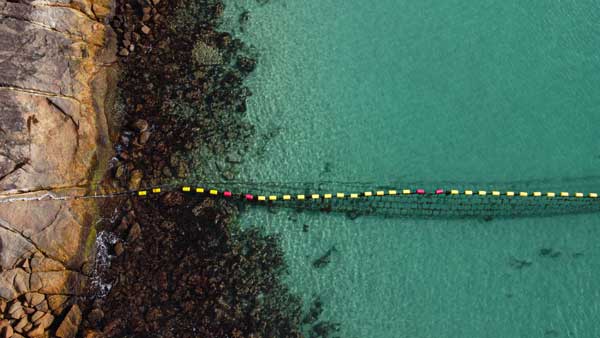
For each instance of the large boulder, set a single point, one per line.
(57, 70)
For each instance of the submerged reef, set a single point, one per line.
(176, 265)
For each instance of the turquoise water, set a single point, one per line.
(457, 94)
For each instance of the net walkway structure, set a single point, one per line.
(359, 199)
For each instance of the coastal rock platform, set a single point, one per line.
(57, 66)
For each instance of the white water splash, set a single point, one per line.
(104, 241)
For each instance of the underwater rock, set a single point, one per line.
(205, 55)
(324, 260)
(549, 252)
(134, 232)
(519, 263)
(315, 311)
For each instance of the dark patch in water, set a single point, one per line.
(325, 259)
(519, 263)
(577, 255)
(549, 252)
(316, 309)
(324, 330)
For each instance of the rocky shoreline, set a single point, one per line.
(179, 266)
(174, 265)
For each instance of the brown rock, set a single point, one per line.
(120, 171)
(172, 199)
(2, 305)
(42, 263)
(38, 331)
(27, 327)
(167, 225)
(21, 324)
(16, 310)
(144, 137)
(141, 125)
(44, 321)
(13, 282)
(119, 248)
(134, 232)
(57, 303)
(135, 180)
(95, 316)
(69, 326)
(92, 334)
(59, 282)
(43, 306)
(37, 315)
(124, 52)
(182, 170)
(34, 298)
(26, 265)
(6, 331)
(145, 29)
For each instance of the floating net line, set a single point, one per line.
(359, 198)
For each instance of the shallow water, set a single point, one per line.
(454, 94)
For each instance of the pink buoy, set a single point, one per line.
(227, 194)
(249, 197)
(420, 191)
(439, 191)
